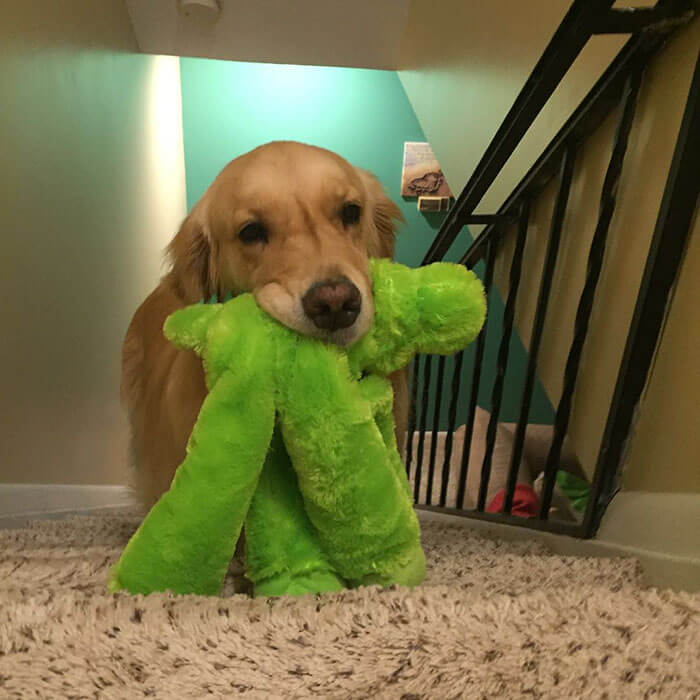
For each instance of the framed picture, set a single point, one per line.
(422, 175)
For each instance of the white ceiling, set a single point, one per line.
(353, 33)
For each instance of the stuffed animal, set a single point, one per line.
(296, 441)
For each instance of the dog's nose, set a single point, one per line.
(332, 304)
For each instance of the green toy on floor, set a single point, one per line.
(296, 441)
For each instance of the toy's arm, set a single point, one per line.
(187, 328)
(186, 542)
(436, 309)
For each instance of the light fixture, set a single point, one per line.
(200, 9)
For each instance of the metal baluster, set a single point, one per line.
(476, 377)
(503, 351)
(421, 429)
(566, 174)
(412, 415)
(436, 426)
(451, 422)
(608, 201)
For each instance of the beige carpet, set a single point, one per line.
(494, 620)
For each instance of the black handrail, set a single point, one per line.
(618, 86)
(568, 41)
(601, 99)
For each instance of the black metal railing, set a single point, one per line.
(617, 88)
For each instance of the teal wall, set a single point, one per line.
(365, 116)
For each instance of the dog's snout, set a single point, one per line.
(333, 303)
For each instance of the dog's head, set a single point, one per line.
(296, 226)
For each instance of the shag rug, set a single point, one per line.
(493, 620)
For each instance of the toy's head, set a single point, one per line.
(296, 226)
(435, 309)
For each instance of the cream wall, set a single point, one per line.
(463, 66)
(91, 188)
(461, 77)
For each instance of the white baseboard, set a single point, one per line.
(661, 522)
(43, 500)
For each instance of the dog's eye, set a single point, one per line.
(254, 232)
(350, 214)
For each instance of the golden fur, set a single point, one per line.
(297, 192)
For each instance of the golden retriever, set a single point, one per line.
(293, 224)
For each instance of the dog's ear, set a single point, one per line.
(191, 257)
(386, 217)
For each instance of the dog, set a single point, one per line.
(295, 225)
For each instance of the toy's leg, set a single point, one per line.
(351, 490)
(284, 555)
(379, 393)
(186, 542)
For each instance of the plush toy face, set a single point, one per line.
(436, 309)
(327, 505)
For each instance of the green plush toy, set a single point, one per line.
(296, 441)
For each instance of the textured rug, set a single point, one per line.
(493, 620)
